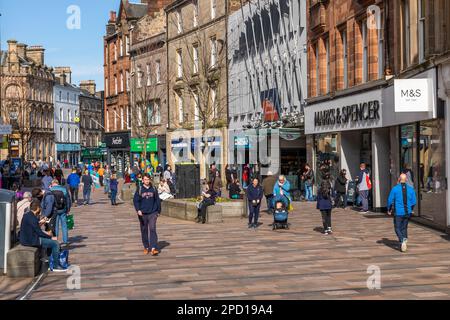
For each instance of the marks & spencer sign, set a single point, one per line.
(362, 112)
(413, 95)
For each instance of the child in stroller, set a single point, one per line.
(280, 216)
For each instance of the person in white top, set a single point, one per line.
(164, 190)
(23, 207)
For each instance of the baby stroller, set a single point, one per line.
(280, 216)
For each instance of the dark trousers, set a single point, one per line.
(202, 211)
(364, 199)
(340, 200)
(326, 218)
(401, 227)
(113, 197)
(253, 213)
(74, 194)
(101, 180)
(269, 199)
(148, 230)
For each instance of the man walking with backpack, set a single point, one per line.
(401, 202)
(88, 184)
(148, 207)
(57, 204)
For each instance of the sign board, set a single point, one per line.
(137, 145)
(5, 129)
(117, 140)
(413, 95)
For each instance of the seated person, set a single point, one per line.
(164, 190)
(235, 190)
(31, 234)
(280, 212)
(208, 199)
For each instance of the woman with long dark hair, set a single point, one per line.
(324, 203)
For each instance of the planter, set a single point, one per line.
(187, 210)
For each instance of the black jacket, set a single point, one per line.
(234, 189)
(30, 232)
(340, 185)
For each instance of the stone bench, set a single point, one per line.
(23, 262)
(187, 210)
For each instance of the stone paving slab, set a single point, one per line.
(229, 261)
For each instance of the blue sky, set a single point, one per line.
(44, 22)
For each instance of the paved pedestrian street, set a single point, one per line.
(229, 261)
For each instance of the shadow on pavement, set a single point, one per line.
(393, 244)
(445, 237)
(163, 244)
(319, 229)
(77, 239)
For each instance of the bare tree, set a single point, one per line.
(147, 95)
(203, 79)
(16, 111)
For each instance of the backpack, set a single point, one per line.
(60, 200)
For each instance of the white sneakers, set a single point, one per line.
(404, 246)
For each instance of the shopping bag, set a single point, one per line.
(70, 222)
(96, 181)
(63, 260)
(290, 207)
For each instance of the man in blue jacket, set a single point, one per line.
(401, 201)
(73, 180)
(31, 234)
(148, 207)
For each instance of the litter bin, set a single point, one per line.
(7, 225)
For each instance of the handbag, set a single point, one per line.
(70, 222)
(63, 260)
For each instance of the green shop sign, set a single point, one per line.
(137, 145)
(91, 153)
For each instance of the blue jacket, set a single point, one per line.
(395, 200)
(286, 187)
(322, 203)
(48, 202)
(46, 182)
(147, 201)
(73, 180)
(254, 193)
(113, 183)
(30, 232)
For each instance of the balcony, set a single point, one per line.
(317, 17)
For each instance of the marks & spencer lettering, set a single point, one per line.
(365, 111)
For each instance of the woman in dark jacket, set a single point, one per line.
(254, 195)
(340, 186)
(324, 203)
(235, 190)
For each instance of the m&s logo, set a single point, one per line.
(411, 93)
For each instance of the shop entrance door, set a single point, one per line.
(432, 171)
(408, 155)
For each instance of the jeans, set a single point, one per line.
(364, 194)
(401, 227)
(269, 199)
(54, 246)
(106, 185)
(148, 226)
(202, 211)
(86, 195)
(62, 218)
(326, 219)
(74, 194)
(308, 191)
(253, 213)
(340, 200)
(113, 197)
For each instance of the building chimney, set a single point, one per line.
(36, 53)
(22, 50)
(155, 6)
(62, 79)
(67, 71)
(112, 17)
(12, 51)
(88, 85)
